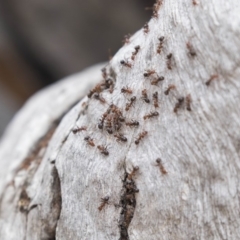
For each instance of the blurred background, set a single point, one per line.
(42, 41)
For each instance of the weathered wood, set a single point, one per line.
(191, 191)
(29, 183)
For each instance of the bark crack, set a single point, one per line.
(127, 203)
(50, 225)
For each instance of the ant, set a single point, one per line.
(126, 39)
(133, 173)
(129, 212)
(128, 105)
(133, 123)
(79, 129)
(121, 118)
(211, 79)
(109, 125)
(140, 137)
(155, 99)
(191, 49)
(169, 61)
(170, 87)
(155, 14)
(104, 72)
(120, 137)
(104, 202)
(157, 5)
(100, 124)
(131, 188)
(126, 90)
(23, 201)
(84, 104)
(109, 130)
(146, 28)
(149, 72)
(99, 98)
(151, 115)
(109, 84)
(156, 8)
(96, 89)
(157, 80)
(111, 88)
(89, 141)
(188, 102)
(178, 104)
(114, 109)
(145, 96)
(194, 2)
(137, 48)
(118, 113)
(160, 45)
(116, 123)
(161, 167)
(126, 64)
(103, 150)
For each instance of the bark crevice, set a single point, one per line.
(128, 204)
(55, 206)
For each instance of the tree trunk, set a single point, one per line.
(151, 153)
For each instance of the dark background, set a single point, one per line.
(42, 41)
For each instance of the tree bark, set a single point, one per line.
(68, 173)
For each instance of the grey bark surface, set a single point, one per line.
(53, 181)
